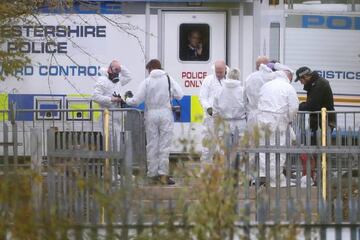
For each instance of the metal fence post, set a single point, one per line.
(14, 131)
(35, 148)
(323, 155)
(107, 166)
(36, 156)
(6, 147)
(128, 158)
(107, 142)
(51, 171)
(127, 176)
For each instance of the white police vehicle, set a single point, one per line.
(69, 46)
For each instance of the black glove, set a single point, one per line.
(119, 99)
(209, 111)
(128, 94)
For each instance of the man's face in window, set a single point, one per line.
(195, 39)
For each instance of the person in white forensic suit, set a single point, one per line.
(111, 81)
(278, 104)
(107, 90)
(106, 93)
(252, 86)
(230, 113)
(229, 103)
(210, 86)
(159, 120)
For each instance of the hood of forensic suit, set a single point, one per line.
(103, 71)
(231, 83)
(282, 67)
(282, 75)
(157, 73)
(266, 73)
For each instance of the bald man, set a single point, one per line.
(111, 81)
(110, 84)
(261, 60)
(107, 90)
(210, 86)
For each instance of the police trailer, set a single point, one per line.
(68, 47)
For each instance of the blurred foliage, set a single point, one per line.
(14, 13)
(20, 215)
(214, 211)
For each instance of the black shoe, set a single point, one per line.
(315, 183)
(261, 180)
(292, 174)
(170, 180)
(166, 180)
(251, 183)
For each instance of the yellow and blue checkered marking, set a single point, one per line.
(191, 109)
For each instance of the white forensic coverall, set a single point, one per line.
(210, 86)
(159, 119)
(252, 86)
(229, 104)
(104, 90)
(277, 106)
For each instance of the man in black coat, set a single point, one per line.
(319, 95)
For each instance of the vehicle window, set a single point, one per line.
(194, 42)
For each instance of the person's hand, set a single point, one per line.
(116, 99)
(209, 111)
(199, 49)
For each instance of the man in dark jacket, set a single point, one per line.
(319, 95)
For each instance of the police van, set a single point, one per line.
(69, 46)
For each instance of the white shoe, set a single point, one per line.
(303, 181)
(282, 182)
(116, 177)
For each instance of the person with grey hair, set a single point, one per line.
(229, 103)
(234, 74)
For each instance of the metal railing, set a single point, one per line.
(92, 204)
(326, 155)
(72, 132)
